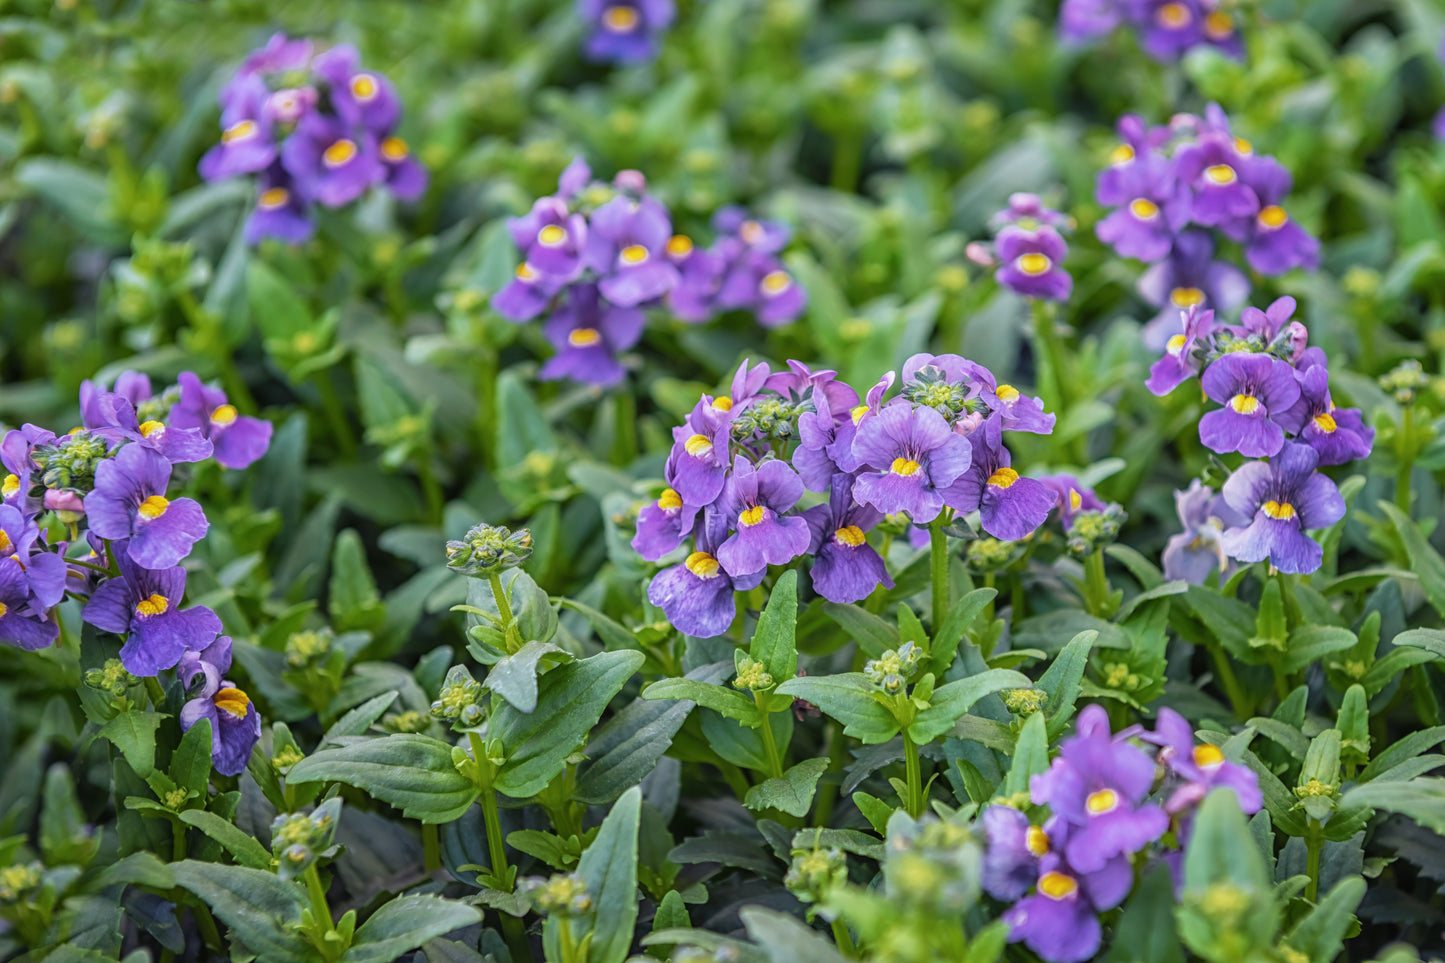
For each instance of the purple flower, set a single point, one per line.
(1338, 435)
(1081, 20)
(330, 162)
(528, 294)
(754, 503)
(281, 210)
(129, 502)
(802, 382)
(406, 178)
(15, 449)
(700, 275)
(588, 334)
(358, 96)
(115, 420)
(624, 31)
(133, 386)
(1138, 145)
(44, 571)
(1157, 209)
(697, 596)
(280, 55)
(21, 624)
(1098, 785)
(770, 237)
(550, 237)
(818, 430)
(845, 567)
(235, 723)
(238, 440)
(1200, 768)
(626, 245)
(290, 104)
(756, 281)
(700, 452)
(1251, 387)
(1028, 212)
(1016, 410)
(1283, 498)
(1009, 506)
(1178, 363)
(1060, 920)
(1214, 167)
(1171, 28)
(248, 142)
(841, 448)
(144, 605)
(1189, 277)
(1072, 496)
(1015, 847)
(664, 525)
(1276, 243)
(914, 457)
(1031, 263)
(1199, 549)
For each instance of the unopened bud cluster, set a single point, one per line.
(111, 678)
(1093, 530)
(892, 670)
(1404, 381)
(70, 462)
(816, 871)
(752, 675)
(308, 648)
(489, 550)
(564, 894)
(771, 418)
(459, 703)
(297, 839)
(989, 554)
(1024, 702)
(16, 881)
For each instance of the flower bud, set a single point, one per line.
(489, 550)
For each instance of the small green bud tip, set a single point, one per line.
(175, 799)
(752, 676)
(409, 721)
(1119, 676)
(15, 881)
(308, 648)
(894, 668)
(564, 894)
(1025, 702)
(1315, 788)
(285, 758)
(1224, 902)
(489, 550)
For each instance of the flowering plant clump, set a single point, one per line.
(479, 580)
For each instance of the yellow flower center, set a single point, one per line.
(3, 609)
(1076, 501)
(1175, 345)
(1034, 264)
(233, 701)
(1220, 25)
(1144, 209)
(620, 19)
(154, 506)
(1006, 393)
(723, 403)
(154, 604)
(1186, 297)
(148, 428)
(339, 153)
(1220, 174)
(1003, 478)
(775, 283)
(1273, 217)
(551, 235)
(1278, 510)
(272, 198)
(904, 466)
(702, 565)
(1208, 757)
(5, 543)
(1037, 841)
(1101, 802)
(1057, 886)
(679, 245)
(1325, 422)
(856, 414)
(1122, 154)
(669, 500)
(751, 231)
(1240, 144)
(1244, 404)
(849, 535)
(10, 485)
(525, 272)
(394, 149)
(583, 337)
(363, 87)
(224, 415)
(634, 254)
(1173, 16)
(752, 516)
(244, 130)
(697, 446)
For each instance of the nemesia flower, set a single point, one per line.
(697, 595)
(21, 624)
(1167, 29)
(145, 606)
(840, 450)
(754, 503)
(1283, 498)
(1139, 145)
(1338, 435)
(129, 502)
(360, 97)
(114, 418)
(1060, 920)
(1198, 550)
(238, 440)
(1276, 243)
(331, 162)
(1009, 505)
(1072, 497)
(528, 294)
(1189, 277)
(589, 334)
(700, 452)
(624, 31)
(281, 210)
(1098, 784)
(845, 567)
(663, 525)
(550, 237)
(627, 247)
(913, 456)
(700, 273)
(758, 282)
(1178, 363)
(770, 237)
(1030, 263)
(235, 722)
(1200, 768)
(1252, 388)
(44, 571)
(1157, 209)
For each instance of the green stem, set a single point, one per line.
(432, 489)
(914, 775)
(1405, 455)
(770, 745)
(319, 907)
(1050, 356)
(1242, 704)
(431, 847)
(496, 845)
(1314, 844)
(157, 694)
(504, 608)
(847, 161)
(564, 937)
(335, 414)
(1096, 586)
(828, 789)
(843, 938)
(178, 841)
(938, 569)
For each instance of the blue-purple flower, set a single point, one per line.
(589, 334)
(129, 502)
(755, 502)
(1189, 277)
(700, 452)
(1199, 768)
(1283, 498)
(1338, 435)
(1180, 362)
(44, 571)
(1198, 550)
(627, 247)
(235, 723)
(1073, 497)
(550, 238)
(912, 456)
(145, 606)
(845, 567)
(22, 623)
(697, 595)
(1256, 392)
(237, 440)
(1031, 263)
(624, 31)
(1009, 505)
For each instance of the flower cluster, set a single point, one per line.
(1172, 188)
(113, 476)
(740, 465)
(1028, 249)
(1274, 396)
(1106, 803)
(595, 257)
(624, 31)
(315, 129)
(1167, 29)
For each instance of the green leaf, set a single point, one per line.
(191, 762)
(352, 600)
(261, 910)
(412, 772)
(1310, 642)
(951, 701)
(609, 868)
(955, 626)
(1030, 755)
(775, 643)
(721, 699)
(1423, 800)
(571, 699)
(792, 792)
(1427, 564)
(277, 308)
(1402, 751)
(614, 635)
(1145, 933)
(246, 850)
(786, 939)
(134, 733)
(874, 635)
(875, 810)
(63, 834)
(140, 868)
(515, 677)
(1431, 640)
(1321, 934)
(521, 426)
(358, 720)
(1061, 681)
(848, 698)
(406, 923)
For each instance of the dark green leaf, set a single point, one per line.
(792, 792)
(412, 772)
(404, 924)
